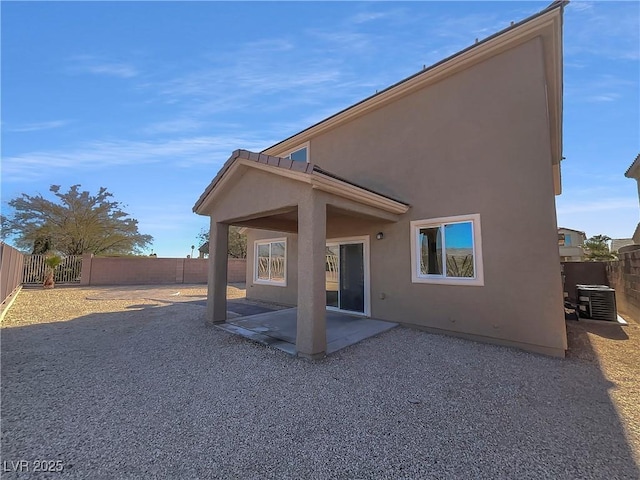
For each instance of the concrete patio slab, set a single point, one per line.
(278, 329)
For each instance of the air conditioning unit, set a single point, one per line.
(597, 302)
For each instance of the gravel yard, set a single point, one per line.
(131, 383)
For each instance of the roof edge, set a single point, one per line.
(301, 171)
(247, 155)
(634, 168)
(572, 230)
(555, 5)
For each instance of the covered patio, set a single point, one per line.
(278, 329)
(272, 193)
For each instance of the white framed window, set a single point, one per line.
(298, 154)
(270, 262)
(447, 250)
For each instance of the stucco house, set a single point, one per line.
(416, 204)
(634, 172)
(618, 243)
(571, 244)
(203, 250)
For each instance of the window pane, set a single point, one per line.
(430, 251)
(277, 261)
(332, 271)
(299, 155)
(263, 262)
(459, 249)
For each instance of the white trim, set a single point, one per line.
(478, 268)
(295, 149)
(269, 241)
(364, 240)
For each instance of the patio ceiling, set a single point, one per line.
(288, 221)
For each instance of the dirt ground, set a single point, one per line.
(614, 349)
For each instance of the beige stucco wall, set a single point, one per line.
(249, 192)
(477, 142)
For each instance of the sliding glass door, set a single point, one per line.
(345, 276)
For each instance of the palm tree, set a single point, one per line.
(598, 248)
(52, 261)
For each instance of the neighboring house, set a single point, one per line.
(634, 172)
(571, 244)
(203, 250)
(415, 204)
(618, 243)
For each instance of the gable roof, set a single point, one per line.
(572, 230)
(634, 169)
(302, 171)
(547, 24)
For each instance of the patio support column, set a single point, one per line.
(311, 335)
(217, 278)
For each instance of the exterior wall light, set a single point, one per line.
(380, 236)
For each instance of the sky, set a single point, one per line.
(149, 99)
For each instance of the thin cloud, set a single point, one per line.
(34, 127)
(97, 66)
(365, 17)
(249, 78)
(580, 6)
(173, 126)
(121, 70)
(268, 45)
(166, 218)
(245, 78)
(602, 29)
(343, 40)
(601, 205)
(467, 27)
(98, 155)
(393, 18)
(257, 75)
(606, 97)
(603, 88)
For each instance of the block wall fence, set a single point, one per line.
(11, 266)
(153, 271)
(586, 273)
(624, 278)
